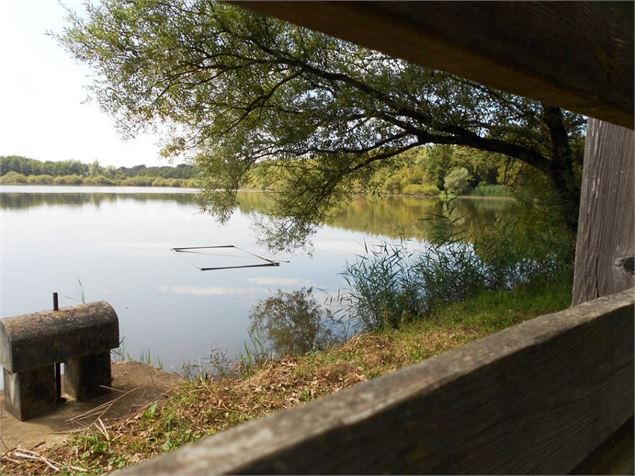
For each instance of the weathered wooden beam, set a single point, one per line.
(614, 456)
(535, 398)
(605, 247)
(577, 55)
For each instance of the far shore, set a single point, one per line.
(190, 189)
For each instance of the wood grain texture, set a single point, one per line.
(606, 230)
(614, 456)
(577, 55)
(535, 398)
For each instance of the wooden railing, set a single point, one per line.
(538, 397)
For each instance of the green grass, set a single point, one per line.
(495, 310)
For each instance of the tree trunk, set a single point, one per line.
(560, 169)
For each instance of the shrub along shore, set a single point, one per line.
(14, 178)
(208, 404)
(426, 172)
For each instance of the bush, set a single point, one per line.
(40, 179)
(159, 182)
(140, 181)
(383, 291)
(68, 180)
(13, 178)
(190, 183)
(98, 180)
(392, 185)
(429, 190)
(491, 191)
(391, 285)
(457, 181)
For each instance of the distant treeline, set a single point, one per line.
(425, 171)
(22, 170)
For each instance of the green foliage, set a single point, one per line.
(428, 190)
(26, 166)
(457, 181)
(491, 191)
(13, 178)
(384, 291)
(241, 89)
(21, 170)
(393, 285)
(98, 180)
(291, 323)
(29, 167)
(68, 180)
(138, 181)
(40, 179)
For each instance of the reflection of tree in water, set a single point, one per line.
(399, 216)
(292, 323)
(19, 200)
(392, 216)
(406, 216)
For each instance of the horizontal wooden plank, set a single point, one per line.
(577, 55)
(534, 398)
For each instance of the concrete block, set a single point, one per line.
(30, 393)
(84, 376)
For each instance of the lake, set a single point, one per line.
(114, 244)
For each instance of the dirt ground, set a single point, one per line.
(135, 385)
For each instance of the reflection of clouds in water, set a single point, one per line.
(345, 247)
(137, 249)
(209, 290)
(279, 282)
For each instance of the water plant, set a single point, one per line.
(392, 283)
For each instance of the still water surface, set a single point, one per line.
(114, 244)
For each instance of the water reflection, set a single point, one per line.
(117, 242)
(395, 217)
(20, 200)
(292, 323)
(406, 216)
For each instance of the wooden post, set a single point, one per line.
(58, 365)
(604, 252)
(606, 236)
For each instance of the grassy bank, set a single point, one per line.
(208, 405)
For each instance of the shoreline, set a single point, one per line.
(176, 189)
(206, 405)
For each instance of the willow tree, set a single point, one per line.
(233, 88)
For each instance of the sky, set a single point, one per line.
(43, 110)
